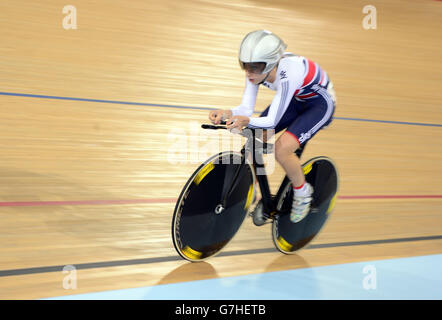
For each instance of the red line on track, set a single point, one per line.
(84, 202)
(173, 200)
(424, 196)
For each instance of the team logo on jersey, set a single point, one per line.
(283, 74)
(305, 136)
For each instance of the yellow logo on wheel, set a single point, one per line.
(283, 244)
(204, 171)
(249, 197)
(332, 203)
(191, 253)
(307, 168)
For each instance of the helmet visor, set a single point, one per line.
(253, 67)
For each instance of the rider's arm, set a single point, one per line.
(290, 79)
(248, 100)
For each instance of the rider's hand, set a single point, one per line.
(217, 115)
(236, 123)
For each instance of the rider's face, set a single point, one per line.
(255, 78)
(254, 71)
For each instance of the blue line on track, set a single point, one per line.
(193, 108)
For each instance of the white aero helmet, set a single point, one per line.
(261, 46)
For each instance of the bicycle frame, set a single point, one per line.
(255, 147)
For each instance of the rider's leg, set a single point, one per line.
(313, 115)
(303, 119)
(302, 190)
(285, 147)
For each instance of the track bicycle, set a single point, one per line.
(217, 197)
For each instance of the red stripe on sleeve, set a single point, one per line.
(311, 72)
(304, 96)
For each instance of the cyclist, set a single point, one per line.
(303, 104)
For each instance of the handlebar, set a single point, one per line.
(248, 133)
(210, 126)
(215, 127)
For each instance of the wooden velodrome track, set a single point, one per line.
(89, 183)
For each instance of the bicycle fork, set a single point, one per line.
(248, 148)
(228, 191)
(253, 147)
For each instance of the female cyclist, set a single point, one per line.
(303, 104)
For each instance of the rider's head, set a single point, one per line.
(259, 53)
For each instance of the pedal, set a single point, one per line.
(259, 216)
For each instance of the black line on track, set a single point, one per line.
(118, 263)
